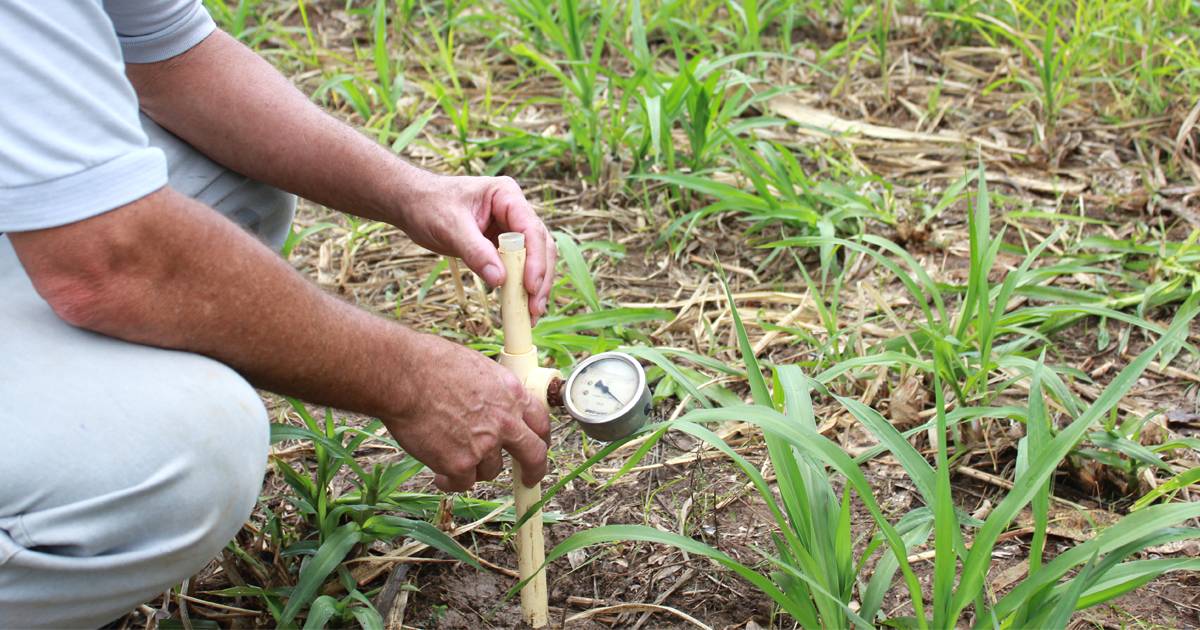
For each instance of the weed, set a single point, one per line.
(339, 524)
(813, 572)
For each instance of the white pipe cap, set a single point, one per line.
(512, 242)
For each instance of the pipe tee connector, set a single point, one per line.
(544, 384)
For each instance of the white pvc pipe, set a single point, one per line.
(512, 241)
(520, 356)
(514, 301)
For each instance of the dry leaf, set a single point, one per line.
(1010, 575)
(576, 557)
(811, 120)
(907, 401)
(325, 276)
(1183, 136)
(1076, 525)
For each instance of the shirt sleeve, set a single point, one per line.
(154, 30)
(71, 144)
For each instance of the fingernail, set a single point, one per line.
(542, 306)
(491, 275)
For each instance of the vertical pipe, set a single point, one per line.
(514, 301)
(521, 357)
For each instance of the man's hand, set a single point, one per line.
(471, 408)
(280, 137)
(463, 216)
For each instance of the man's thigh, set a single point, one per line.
(125, 467)
(263, 210)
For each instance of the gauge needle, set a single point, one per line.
(604, 390)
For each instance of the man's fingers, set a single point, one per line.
(539, 291)
(458, 474)
(489, 468)
(535, 265)
(548, 278)
(513, 213)
(446, 483)
(537, 418)
(480, 255)
(530, 450)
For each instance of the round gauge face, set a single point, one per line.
(605, 387)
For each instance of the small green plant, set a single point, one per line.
(335, 525)
(1054, 49)
(985, 335)
(663, 110)
(235, 20)
(784, 193)
(580, 36)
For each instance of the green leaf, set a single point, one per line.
(712, 188)
(1130, 575)
(1039, 432)
(657, 358)
(758, 385)
(196, 624)
(432, 278)
(320, 612)
(599, 320)
(815, 445)
(295, 237)
(318, 567)
(368, 618)
(388, 526)
(281, 432)
(1149, 526)
(947, 533)
(383, 69)
(1128, 448)
(241, 591)
(1174, 484)
(915, 528)
(638, 455)
(1043, 465)
(414, 128)
(577, 269)
(918, 469)
(1060, 615)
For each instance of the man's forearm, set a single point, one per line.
(207, 286)
(234, 107)
(171, 272)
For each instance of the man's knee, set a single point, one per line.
(174, 474)
(195, 441)
(221, 452)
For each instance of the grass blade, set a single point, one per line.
(1045, 463)
(312, 575)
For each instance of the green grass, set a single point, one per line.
(813, 572)
(658, 116)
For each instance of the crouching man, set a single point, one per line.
(144, 156)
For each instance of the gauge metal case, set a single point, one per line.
(621, 423)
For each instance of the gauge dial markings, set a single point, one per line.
(605, 387)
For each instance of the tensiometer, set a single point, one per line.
(607, 394)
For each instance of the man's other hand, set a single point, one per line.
(470, 408)
(463, 216)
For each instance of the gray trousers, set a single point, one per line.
(123, 468)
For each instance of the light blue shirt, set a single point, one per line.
(71, 146)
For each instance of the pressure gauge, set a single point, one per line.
(607, 394)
